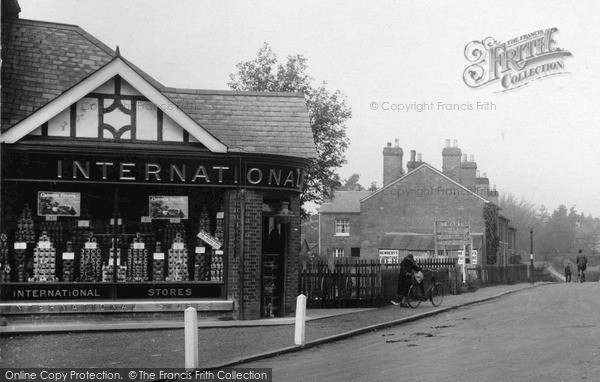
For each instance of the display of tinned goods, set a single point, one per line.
(90, 266)
(158, 264)
(178, 260)
(44, 260)
(68, 263)
(137, 260)
(108, 268)
(216, 266)
(4, 263)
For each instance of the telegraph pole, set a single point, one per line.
(531, 255)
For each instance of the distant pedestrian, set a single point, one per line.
(581, 266)
(568, 273)
(405, 278)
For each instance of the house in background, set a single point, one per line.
(423, 211)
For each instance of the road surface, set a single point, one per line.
(548, 333)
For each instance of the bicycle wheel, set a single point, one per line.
(414, 296)
(437, 294)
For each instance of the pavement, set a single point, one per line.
(222, 343)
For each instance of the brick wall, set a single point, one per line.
(251, 254)
(414, 205)
(329, 240)
(292, 258)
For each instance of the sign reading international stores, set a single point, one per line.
(514, 63)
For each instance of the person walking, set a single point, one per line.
(568, 273)
(405, 278)
(581, 266)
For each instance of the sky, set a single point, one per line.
(538, 142)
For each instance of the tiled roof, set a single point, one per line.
(41, 60)
(253, 122)
(344, 202)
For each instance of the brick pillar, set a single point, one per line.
(250, 253)
(292, 257)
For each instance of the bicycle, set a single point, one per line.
(435, 292)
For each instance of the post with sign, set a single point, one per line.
(454, 233)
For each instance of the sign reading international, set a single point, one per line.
(168, 207)
(52, 203)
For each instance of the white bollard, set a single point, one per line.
(191, 339)
(300, 320)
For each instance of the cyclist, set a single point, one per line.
(405, 278)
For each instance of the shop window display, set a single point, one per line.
(61, 244)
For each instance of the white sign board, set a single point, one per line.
(210, 240)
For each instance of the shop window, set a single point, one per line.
(342, 227)
(60, 235)
(355, 252)
(338, 252)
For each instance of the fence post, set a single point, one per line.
(299, 335)
(191, 339)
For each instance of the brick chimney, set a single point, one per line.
(468, 169)
(451, 161)
(392, 162)
(415, 161)
(482, 185)
(493, 195)
(10, 9)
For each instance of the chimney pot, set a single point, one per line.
(447, 143)
(485, 174)
(419, 157)
(413, 153)
(389, 144)
(477, 174)
(472, 158)
(464, 158)
(455, 143)
(397, 142)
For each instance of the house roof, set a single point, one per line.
(254, 122)
(344, 202)
(42, 60)
(420, 168)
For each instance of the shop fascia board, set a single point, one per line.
(424, 165)
(115, 67)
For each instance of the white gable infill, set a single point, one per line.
(414, 171)
(115, 67)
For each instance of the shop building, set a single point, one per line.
(121, 195)
(420, 210)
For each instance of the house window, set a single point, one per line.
(338, 252)
(355, 252)
(342, 227)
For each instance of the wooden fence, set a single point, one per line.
(370, 283)
(365, 283)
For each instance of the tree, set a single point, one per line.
(327, 111)
(351, 184)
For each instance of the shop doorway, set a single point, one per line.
(273, 267)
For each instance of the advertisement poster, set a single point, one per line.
(52, 203)
(168, 207)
